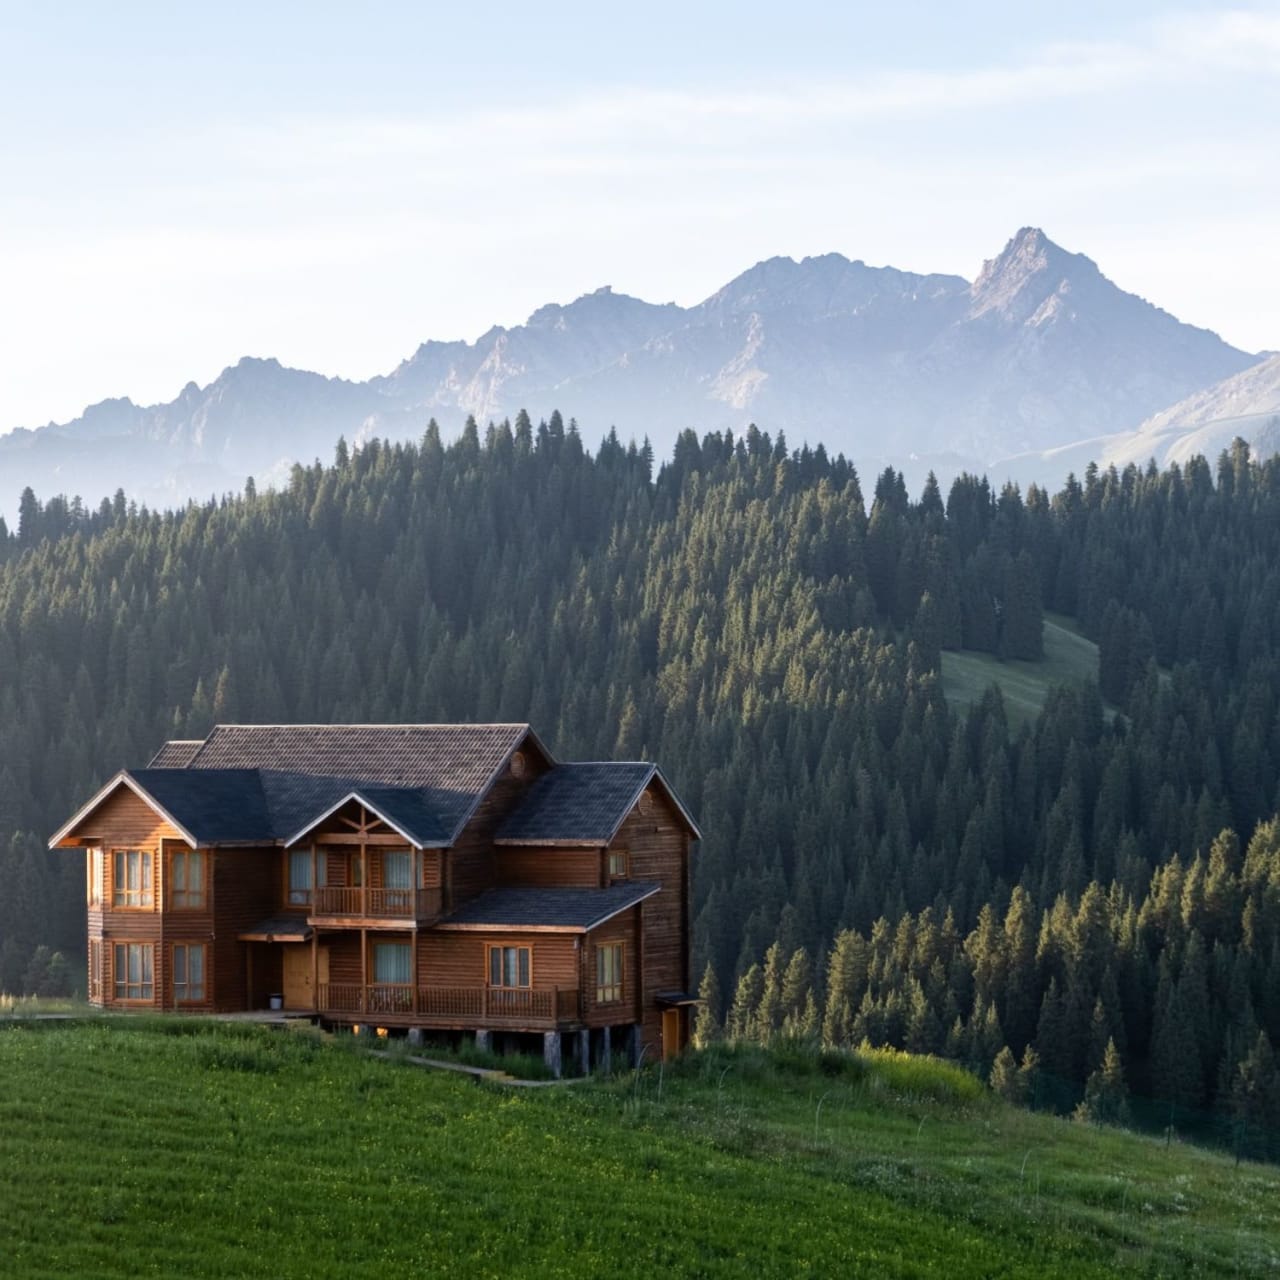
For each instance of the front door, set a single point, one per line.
(670, 1033)
(297, 974)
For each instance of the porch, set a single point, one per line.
(399, 1004)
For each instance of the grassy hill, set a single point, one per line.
(1068, 658)
(185, 1148)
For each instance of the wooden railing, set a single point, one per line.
(378, 904)
(484, 1006)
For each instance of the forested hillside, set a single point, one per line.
(875, 865)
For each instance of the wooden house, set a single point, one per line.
(453, 878)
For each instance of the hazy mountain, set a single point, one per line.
(1039, 352)
(1247, 405)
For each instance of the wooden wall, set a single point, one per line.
(457, 959)
(622, 928)
(544, 866)
(471, 861)
(658, 843)
(124, 821)
(247, 889)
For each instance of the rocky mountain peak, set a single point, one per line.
(1028, 271)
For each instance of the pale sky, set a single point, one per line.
(332, 184)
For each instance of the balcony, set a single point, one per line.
(354, 907)
(478, 1007)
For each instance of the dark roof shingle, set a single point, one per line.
(571, 909)
(226, 806)
(175, 753)
(576, 804)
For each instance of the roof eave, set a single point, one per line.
(596, 842)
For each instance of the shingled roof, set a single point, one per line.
(450, 765)
(582, 804)
(175, 753)
(247, 784)
(569, 910)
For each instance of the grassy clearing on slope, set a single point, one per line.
(180, 1147)
(1068, 658)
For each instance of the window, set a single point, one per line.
(619, 864)
(508, 966)
(392, 962)
(609, 973)
(397, 870)
(131, 883)
(299, 877)
(188, 972)
(95, 877)
(95, 968)
(186, 879)
(133, 968)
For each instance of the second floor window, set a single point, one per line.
(299, 877)
(397, 870)
(619, 864)
(95, 877)
(131, 878)
(186, 879)
(508, 966)
(609, 973)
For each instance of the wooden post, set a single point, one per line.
(248, 975)
(315, 958)
(639, 978)
(364, 967)
(413, 967)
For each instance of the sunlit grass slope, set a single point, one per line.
(1068, 658)
(169, 1149)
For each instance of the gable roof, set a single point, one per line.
(563, 910)
(451, 766)
(404, 810)
(584, 804)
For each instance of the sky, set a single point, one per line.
(332, 184)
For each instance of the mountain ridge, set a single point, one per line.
(1041, 350)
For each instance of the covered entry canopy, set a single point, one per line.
(278, 929)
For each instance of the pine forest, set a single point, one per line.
(1084, 908)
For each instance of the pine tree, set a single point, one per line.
(1005, 1079)
(1105, 1093)
(707, 1028)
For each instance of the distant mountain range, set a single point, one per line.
(1038, 354)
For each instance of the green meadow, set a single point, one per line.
(168, 1148)
(1068, 658)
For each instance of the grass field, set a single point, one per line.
(1068, 658)
(182, 1148)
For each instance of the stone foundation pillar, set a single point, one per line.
(582, 1051)
(551, 1052)
(415, 1037)
(635, 1043)
(484, 1041)
(606, 1050)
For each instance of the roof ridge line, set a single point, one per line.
(372, 724)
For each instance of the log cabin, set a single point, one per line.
(419, 878)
